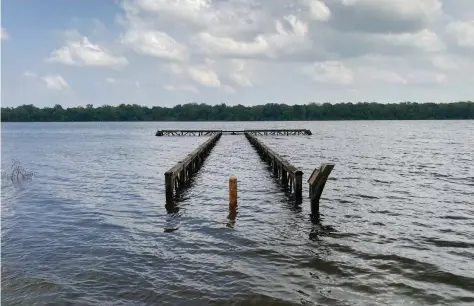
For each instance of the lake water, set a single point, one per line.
(91, 227)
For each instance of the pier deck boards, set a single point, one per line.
(280, 132)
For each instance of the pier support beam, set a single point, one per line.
(317, 181)
(281, 132)
(179, 175)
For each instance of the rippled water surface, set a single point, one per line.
(91, 228)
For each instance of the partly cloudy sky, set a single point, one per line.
(168, 52)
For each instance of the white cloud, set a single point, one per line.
(30, 74)
(334, 72)
(423, 40)
(154, 43)
(204, 76)
(318, 10)
(426, 77)
(241, 74)
(4, 34)
(181, 87)
(228, 89)
(241, 79)
(385, 50)
(462, 32)
(55, 82)
(379, 76)
(84, 53)
(444, 62)
(272, 44)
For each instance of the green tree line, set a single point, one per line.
(222, 112)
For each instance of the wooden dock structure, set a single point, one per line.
(180, 174)
(291, 177)
(266, 132)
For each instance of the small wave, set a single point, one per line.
(449, 243)
(451, 217)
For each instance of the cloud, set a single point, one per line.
(30, 74)
(445, 62)
(246, 51)
(318, 10)
(424, 40)
(462, 32)
(333, 72)
(228, 89)
(181, 87)
(154, 43)
(55, 82)
(4, 34)
(241, 74)
(282, 40)
(84, 53)
(204, 77)
(383, 16)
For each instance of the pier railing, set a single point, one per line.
(276, 132)
(291, 177)
(180, 174)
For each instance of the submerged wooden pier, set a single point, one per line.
(271, 132)
(291, 177)
(179, 175)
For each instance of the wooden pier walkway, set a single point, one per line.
(266, 132)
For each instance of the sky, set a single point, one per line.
(169, 52)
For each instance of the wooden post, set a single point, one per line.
(182, 177)
(299, 186)
(317, 181)
(169, 184)
(233, 190)
(284, 177)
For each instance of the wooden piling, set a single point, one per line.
(180, 174)
(233, 190)
(317, 181)
(291, 178)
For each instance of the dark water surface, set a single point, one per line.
(92, 229)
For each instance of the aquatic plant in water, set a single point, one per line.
(17, 172)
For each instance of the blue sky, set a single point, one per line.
(163, 52)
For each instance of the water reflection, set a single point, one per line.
(233, 211)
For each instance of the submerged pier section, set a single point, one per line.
(291, 177)
(179, 175)
(274, 132)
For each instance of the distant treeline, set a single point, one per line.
(222, 112)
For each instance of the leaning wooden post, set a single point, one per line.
(298, 186)
(169, 184)
(317, 181)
